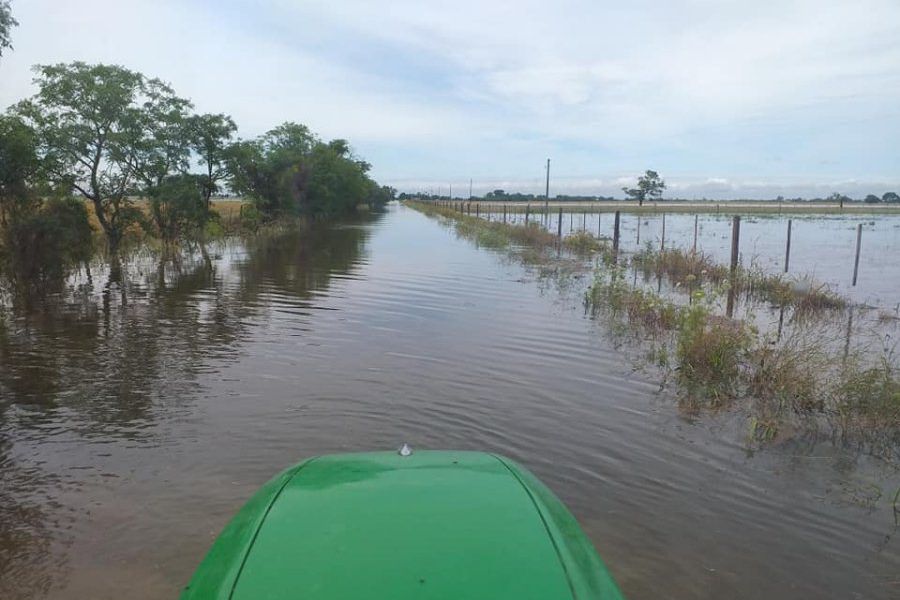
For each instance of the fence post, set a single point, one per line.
(559, 224)
(477, 209)
(735, 245)
(527, 211)
(696, 220)
(616, 234)
(504, 213)
(662, 243)
(787, 248)
(598, 223)
(858, 244)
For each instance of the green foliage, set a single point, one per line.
(872, 199)
(891, 197)
(42, 245)
(379, 196)
(710, 351)
(178, 208)
(19, 168)
(210, 136)
(7, 22)
(289, 171)
(100, 128)
(650, 186)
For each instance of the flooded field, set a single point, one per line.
(135, 419)
(823, 246)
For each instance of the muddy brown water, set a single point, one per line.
(137, 419)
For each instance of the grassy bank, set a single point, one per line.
(500, 235)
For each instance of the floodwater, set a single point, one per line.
(135, 420)
(823, 247)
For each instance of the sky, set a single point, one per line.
(725, 98)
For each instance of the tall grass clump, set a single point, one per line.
(711, 352)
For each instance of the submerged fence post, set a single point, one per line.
(735, 245)
(662, 243)
(696, 220)
(527, 211)
(858, 244)
(477, 209)
(504, 213)
(598, 223)
(559, 224)
(616, 235)
(787, 248)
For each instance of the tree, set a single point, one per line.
(839, 198)
(872, 199)
(41, 238)
(102, 130)
(7, 22)
(272, 170)
(210, 137)
(19, 169)
(891, 197)
(178, 207)
(650, 186)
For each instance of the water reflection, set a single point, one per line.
(114, 350)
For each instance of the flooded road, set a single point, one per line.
(135, 422)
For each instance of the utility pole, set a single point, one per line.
(547, 190)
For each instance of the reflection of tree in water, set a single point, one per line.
(110, 357)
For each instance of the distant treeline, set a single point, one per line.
(125, 146)
(502, 196)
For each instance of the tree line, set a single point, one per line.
(108, 136)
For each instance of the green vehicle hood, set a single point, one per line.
(432, 525)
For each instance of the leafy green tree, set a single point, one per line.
(19, 169)
(336, 183)
(102, 129)
(379, 196)
(39, 239)
(650, 186)
(178, 207)
(273, 169)
(210, 137)
(7, 22)
(891, 197)
(872, 199)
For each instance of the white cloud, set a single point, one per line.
(761, 89)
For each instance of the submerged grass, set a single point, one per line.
(686, 269)
(719, 361)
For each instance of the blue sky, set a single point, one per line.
(725, 98)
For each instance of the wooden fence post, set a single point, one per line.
(787, 248)
(696, 221)
(616, 234)
(559, 224)
(662, 243)
(735, 245)
(856, 261)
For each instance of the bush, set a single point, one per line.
(710, 351)
(44, 245)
